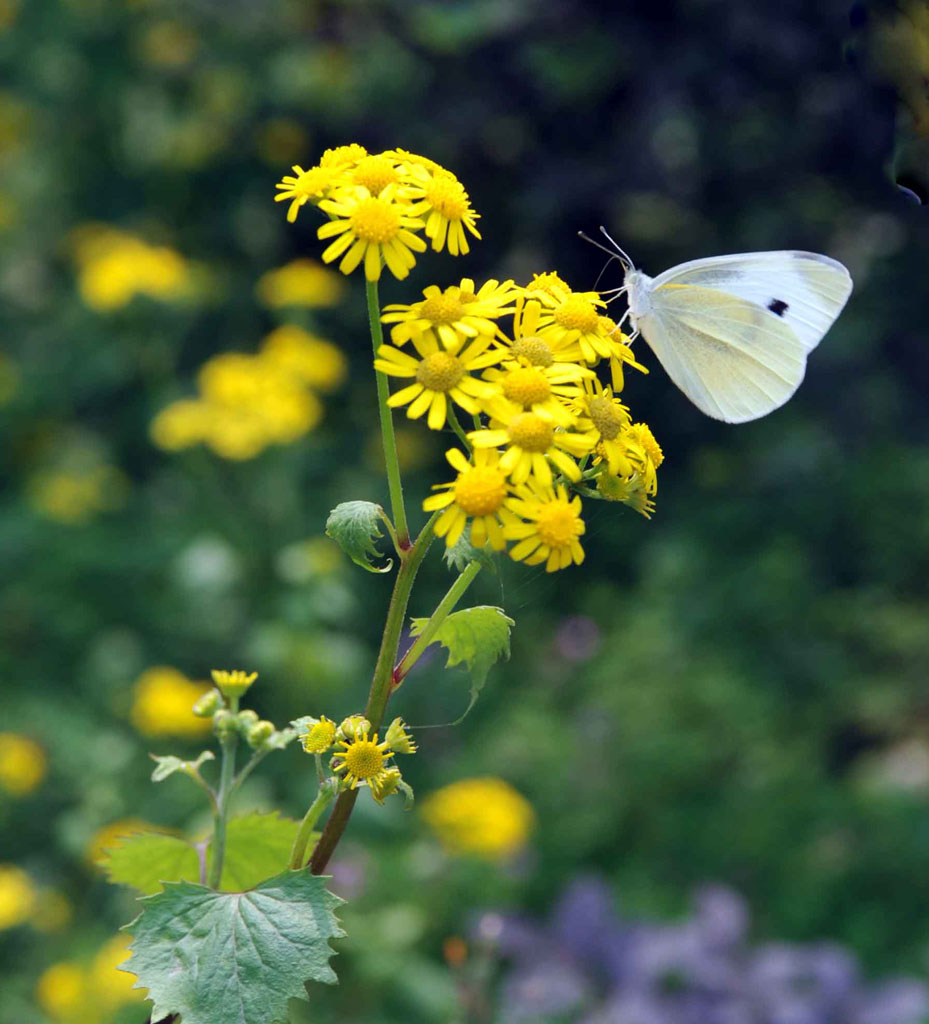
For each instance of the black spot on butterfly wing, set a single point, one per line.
(778, 306)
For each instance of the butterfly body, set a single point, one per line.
(733, 332)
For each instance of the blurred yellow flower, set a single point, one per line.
(317, 363)
(115, 266)
(111, 836)
(22, 764)
(302, 282)
(9, 379)
(17, 896)
(112, 987)
(61, 991)
(181, 424)
(76, 496)
(162, 702)
(484, 816)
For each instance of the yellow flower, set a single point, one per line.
(486, 817)
(62, 990)
(528, 348)
(549, 284)
(112, 987)
(362, 760)
(22, 764)
(550, 528)
(608, 421)
(620, 346)
(233, 684)
(455, 314)
(302, 282)
(376, 229)
(17, 896)
(76, 496)
(162, 701)
(317, 363)
(478, 493)
(532, 442)
(536, 389)
(308, 186)
(319, 737)
(385, 784)
(375, 173)
(438, 376)
(447, 208)
(343, 156)
(181, 424)
(398, 738)
(646, 454)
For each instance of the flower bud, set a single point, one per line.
(233, 684)
(225, 723)
(385, 784)
(352, 727)
(260, 733)
(207, 704)
(398, 739)
(247, 719)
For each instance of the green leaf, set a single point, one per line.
(478, 637)
(147, 859)
(257, 846)
(460, 555)
(168, 765)
(234, 958)
(353, 526)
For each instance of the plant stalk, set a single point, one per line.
(226, 779)
(324, 797)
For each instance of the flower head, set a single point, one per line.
(162, 703)
(319, 737)
(478, 493)
(443, 201)
(485, 817)
(398, 738)
(438, 376)
(386, 784)
(22, 764)
(301, 282)
(233, 684)
(362, 760)
(376, 229)
(308, 186)
(550, 528)
(607, 420)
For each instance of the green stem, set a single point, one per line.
(381, 685)
(387, 423)
(441, 613)
(325, 796)
(456, 426)
(226, 774)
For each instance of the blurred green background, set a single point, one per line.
(735, 690)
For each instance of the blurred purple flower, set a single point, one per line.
(577, 638)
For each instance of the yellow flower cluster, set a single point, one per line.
(248, 402)
(485, 817)
(72, 993)
(379, 206)
(521, 362)
(115, 266)
(77, 495)
(162, 700)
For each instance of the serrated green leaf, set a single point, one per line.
(166, 766)
(147, 859)
(234, 958)
(477, 637)
(353, 525)
(257, 846)
(460, 555)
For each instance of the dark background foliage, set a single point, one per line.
(753, 707)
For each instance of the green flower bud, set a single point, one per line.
(398, 739)
(225, 723)
(385, 784)
(207, 704)
(352, 727)
(247, 719)
(260, 733)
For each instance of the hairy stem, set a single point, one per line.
(228, 744)
(387, 424)
(441, 613)
(381, 686)
(324, 797)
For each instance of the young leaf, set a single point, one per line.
(146, 860)
(257, 846)
(476, 636)
(168, 765)
(353, 526)
(460, 555)
(216, 957)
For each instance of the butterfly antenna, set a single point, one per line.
(623, 255)
(602, 248)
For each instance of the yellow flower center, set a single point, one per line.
(320, 737)
(440, 371)
(549, 283)
(558, 524)
(442, 309)
(480, 491)
(607, 417)
(534, 350)
(526, 386)
(375, 173)
(576, 314)
(531, 432)
(314, 182)
(646, 439)
(446, 195)
(363, 759)
(342, 155)
(375, 220)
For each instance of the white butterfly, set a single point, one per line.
(733, 332)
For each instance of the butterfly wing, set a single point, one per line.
(805, 290)
(733, 358)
